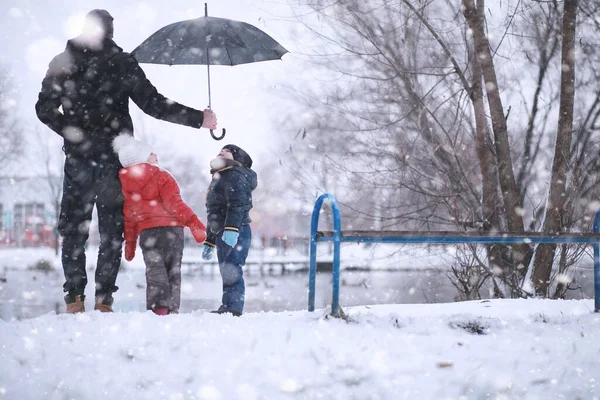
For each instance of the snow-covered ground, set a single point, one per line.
(491, 349)
(499, 349)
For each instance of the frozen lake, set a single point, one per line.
(28, 294)
(419, 278)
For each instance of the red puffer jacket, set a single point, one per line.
(152, 199)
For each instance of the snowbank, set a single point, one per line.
(534, 349)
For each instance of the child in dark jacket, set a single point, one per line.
(228, 203)
(155, 212)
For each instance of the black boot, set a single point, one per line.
(223, 310)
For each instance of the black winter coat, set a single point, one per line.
(229, 200)
(94, 86)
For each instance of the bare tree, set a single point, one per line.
(553, 221)
(413, 113)
(508, 186)
(51, 157)
(11, 133)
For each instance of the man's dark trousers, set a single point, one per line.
(88, 182)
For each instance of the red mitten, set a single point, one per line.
(129, 250)
(198, 230)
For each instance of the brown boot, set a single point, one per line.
(104, 304)
(103, 307)
(77, 306)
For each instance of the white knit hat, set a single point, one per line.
(130, 150)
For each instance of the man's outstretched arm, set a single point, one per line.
(147, 98)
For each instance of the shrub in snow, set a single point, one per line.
(42, 265)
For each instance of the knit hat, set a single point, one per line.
(130, 150)
(239, 155)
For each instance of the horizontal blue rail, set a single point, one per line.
(457, 237)
(442, 237)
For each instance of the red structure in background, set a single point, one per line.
(38, 234)
(29, 227)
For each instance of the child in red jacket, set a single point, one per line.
(155, 212)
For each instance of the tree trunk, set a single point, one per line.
(563, 284)
(542, 266)
(510, 193)
(489, 182)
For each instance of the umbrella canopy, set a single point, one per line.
(208, 41)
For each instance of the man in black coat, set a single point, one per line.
(93, 80)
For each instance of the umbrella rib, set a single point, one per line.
(229, 56)
(167, 35)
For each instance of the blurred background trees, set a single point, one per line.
(434, 115)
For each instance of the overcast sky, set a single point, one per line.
(244, 97)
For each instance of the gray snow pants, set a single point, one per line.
(163, 249)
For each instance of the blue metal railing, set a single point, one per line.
(337, 236)
(337, 239)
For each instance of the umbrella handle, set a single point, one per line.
(217, 137)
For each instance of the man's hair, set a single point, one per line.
(98, 23)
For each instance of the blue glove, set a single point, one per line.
(207, 252)
(230, 237)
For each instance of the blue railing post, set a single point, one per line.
(337, 239)
(312, 270)
(337, 243)
(597, 264)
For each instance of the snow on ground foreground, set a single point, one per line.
(499, 349)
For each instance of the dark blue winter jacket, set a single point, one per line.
(229, 199)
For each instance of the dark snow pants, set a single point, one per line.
(231, 260)
(86, 183)
(163, 249)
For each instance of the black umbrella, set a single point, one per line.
(208, 41)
